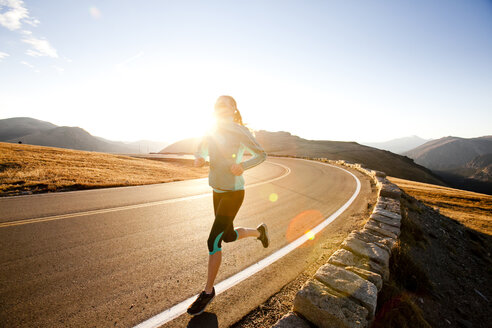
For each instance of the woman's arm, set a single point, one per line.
(201, 152)
(253, 147)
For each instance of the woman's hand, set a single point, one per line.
(237, 169)
(199, 162)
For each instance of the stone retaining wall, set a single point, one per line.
(343, 292)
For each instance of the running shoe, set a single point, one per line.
(201, 303)
(262, 228)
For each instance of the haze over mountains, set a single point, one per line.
(398, 146)
(283, 143)
(36, 132)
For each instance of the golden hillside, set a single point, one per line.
(27, 168)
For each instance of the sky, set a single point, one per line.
(343, 70)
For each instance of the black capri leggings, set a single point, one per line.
(226, 206)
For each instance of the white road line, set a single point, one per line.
(179, 309)
(128, 207)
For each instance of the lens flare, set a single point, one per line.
(273, 197)
(310, 235)
(302, 222)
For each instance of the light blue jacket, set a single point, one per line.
(225, 146)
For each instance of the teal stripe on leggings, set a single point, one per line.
(216, 244)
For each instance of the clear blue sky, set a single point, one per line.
(129, 70)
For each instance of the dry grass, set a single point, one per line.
(41, 169)
(471, 209)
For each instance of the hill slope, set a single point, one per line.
(440, 268)
(285, 144)
(26, 169)
(482, 167)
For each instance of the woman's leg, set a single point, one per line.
(225, 208)
(213, 267)
(247, 232)
(215, 259)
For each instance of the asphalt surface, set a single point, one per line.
(118, 256)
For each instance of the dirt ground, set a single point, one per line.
(440, 273)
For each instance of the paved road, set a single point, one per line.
(118, 256)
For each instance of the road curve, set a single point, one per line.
(118, 256)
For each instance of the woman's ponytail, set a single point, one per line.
(237, 117)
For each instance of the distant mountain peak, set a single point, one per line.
(399, 145)
(450, 152)
(36, 132)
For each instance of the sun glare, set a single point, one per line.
(166, 102)
(310, 235)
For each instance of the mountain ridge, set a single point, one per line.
(464, 163)
(398, 145)
(16, 127)
(37, 132)
(450, 152)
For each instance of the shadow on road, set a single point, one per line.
(204, 320)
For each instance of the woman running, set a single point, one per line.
(225, 148)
